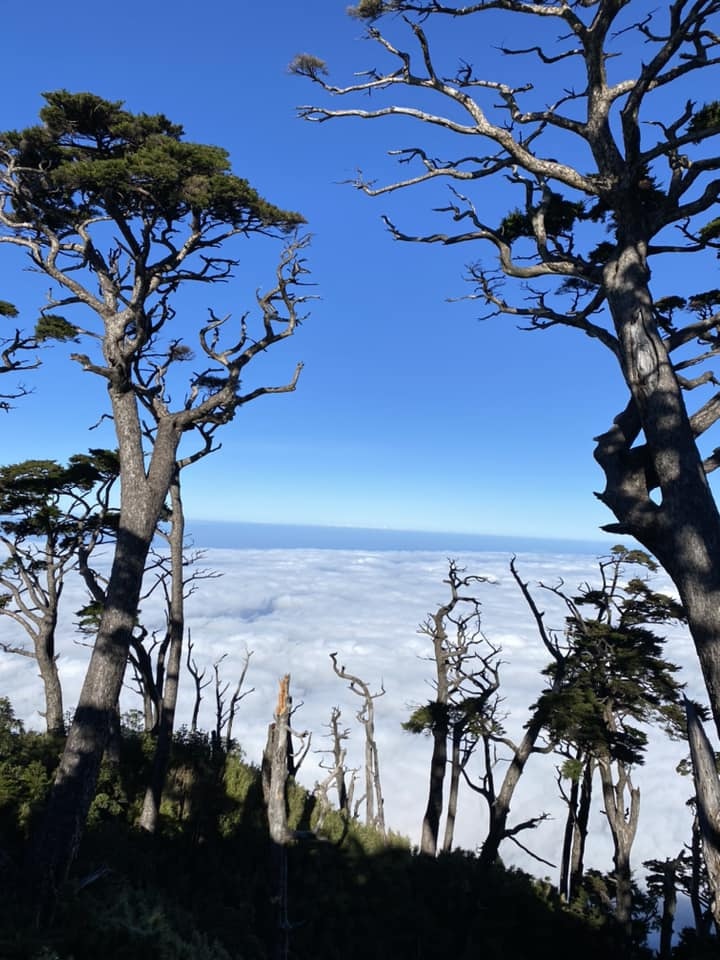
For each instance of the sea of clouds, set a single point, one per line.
(294, 607)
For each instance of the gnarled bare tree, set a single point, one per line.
(618, 142)
(121, 215)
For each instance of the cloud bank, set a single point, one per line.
(293, 608)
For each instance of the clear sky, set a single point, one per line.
(410, 413)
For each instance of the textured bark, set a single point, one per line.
(576, 830)
(683, 530)
(568, 837)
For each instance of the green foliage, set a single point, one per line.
(27, 761)
(614, 675)
(38, 497)
(706, 301)
(426, 717)
(92, 158)
(711, 231)
(50, 326)
(8, 309)
(203, 887)
(706, 119)
(559, 217)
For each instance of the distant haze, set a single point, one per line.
(265, 536)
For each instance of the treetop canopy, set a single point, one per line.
(90, 157)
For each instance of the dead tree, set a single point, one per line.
(199, 681)
(225, 709)
(275, 766)
(374, 803)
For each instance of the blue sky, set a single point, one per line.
(410, 413)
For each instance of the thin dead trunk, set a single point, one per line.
(622, 809)
(171, 681)
(374, 802)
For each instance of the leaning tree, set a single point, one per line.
(611, 164)
(122, 215)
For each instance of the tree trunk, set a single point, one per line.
(568, 838)
(622, 818)
(500, 807)
(577, 865)
(176, 628)
(47, 664)
(683, 530)
(669, 909)
(438, 764)
(142, 497)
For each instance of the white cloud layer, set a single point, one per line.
(293, 608)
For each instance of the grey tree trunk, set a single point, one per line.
(683, 530)
(141, 501)
(622, 809)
